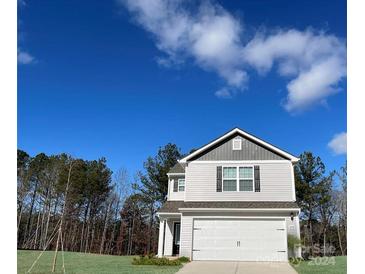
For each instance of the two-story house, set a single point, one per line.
(232, 199)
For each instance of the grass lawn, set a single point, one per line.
(87, 263)
(327, 265)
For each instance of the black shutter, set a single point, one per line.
(257, 179)
(175, 185)
(219, 179)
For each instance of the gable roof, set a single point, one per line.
(177, 169)
(244, 134)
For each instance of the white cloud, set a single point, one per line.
(315, 84)
(210, 35)
(224, 93)
(313, 62)
(25, 58)
(338, 144)
(317, 62)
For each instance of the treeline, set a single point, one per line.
(79, 205)
(322, 198)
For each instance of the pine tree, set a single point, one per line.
(154, 183)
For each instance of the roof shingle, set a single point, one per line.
(173, 206)
(178, 168)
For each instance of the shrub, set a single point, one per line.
(148, 260)
(295, 261)
(184, 259)
(165, 261)
(293, 241)
(305, 256)
(151, 255)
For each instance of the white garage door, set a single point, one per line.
(239, 240)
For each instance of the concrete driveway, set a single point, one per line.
(212, 267)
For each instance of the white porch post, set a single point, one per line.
(161, 238)
(299, 249)
(165, 235)
(169, 231)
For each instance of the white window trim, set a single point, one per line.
(178, 185)
(171, 186)
(238, 178)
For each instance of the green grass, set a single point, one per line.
(325, 265)
(87, 263)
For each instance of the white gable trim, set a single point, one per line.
(237, 130)
(236, 162)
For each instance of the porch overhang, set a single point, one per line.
(168, 215)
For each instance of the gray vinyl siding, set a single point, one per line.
(249, 151)
(186, 236)
(175, 196)
(276, 183)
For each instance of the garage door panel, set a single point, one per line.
(222, 254)
(214, 244)
(238, 239)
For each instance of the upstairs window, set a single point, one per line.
(237, 144)
(229, 179)
(238, 178)
(181, 185)
(246, 178)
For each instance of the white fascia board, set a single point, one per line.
(237, 130)
(293, 182)
(172, 174)
(242, 162)
(240, 209)
(168, 213)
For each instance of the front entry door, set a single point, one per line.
(176, 240)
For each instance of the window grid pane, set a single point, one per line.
(181, 185)
(246, 172)
(246, 185)
(229, 185)
(229, 172)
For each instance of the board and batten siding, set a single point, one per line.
(249, 151)
(276, 182)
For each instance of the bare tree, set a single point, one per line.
(106, 222)
(341, 209)
(62, 216)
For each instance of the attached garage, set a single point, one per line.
(239, 239)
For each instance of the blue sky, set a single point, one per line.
(106, 79)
